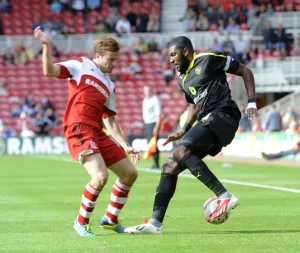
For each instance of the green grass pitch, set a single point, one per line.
(40, 198)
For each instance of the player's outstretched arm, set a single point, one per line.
(113, 127)
(248, 77)
(191, 118)
(49, 68)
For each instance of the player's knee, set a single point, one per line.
(180, 152)
(132, 175)
(129, 177)
(171, 167)
(99, 179)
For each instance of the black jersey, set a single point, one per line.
(205, 84)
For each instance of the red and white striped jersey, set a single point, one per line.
(91, 93)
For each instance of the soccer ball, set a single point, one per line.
(208, 209)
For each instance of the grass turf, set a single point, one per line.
(40, 198)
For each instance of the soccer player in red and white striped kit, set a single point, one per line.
(91, 101)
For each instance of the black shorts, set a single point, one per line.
(212, 133)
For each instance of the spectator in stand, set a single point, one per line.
(203, 5)
(221, 28)
(46, 103)
(228, 47)
(144, 19)
(50, 118)
(66, 5)
(190, 21)
(94, 5)
(56, 7)
(288, 116)
(4, 6)
(273, 122)
(168, 71)
(251, 10)
(252, 20)
(297, 47)
(3, 90)
(6, 132)
(270, 9)
(20, 54)
(240, 45)
(37, 22)
(132, 17)
(26, 131)
(269, 36)
(202, 23)
(78, 6)
(153, 24)
(216, 46)
(152, 45)
(289, 7)
(115, 4)
(211, 15)
(281, 40)
(140, 47)
(232, 26)
(123, 27)
(40, 126)
(221, 13)
(245, 57)
(113, 17)
(8, 57)
(101, 26)
(16, 111)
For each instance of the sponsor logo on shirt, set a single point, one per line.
(200, 96)
(93, 145)
(97, 86)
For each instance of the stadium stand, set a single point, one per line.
(20, 66)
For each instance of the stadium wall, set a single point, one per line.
(244, 145)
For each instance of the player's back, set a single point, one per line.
(205, 82)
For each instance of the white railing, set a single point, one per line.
(85, 42)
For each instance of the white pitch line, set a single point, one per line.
(277, 188)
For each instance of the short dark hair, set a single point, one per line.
(181, 42)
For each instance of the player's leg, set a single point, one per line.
(81, 140)
(280, 154)
(164, 193)
(199, 142)
(117, 161)
(192, 149)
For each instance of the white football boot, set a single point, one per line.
(224, 206)
(146, 228)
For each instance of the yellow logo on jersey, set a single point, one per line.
(198, 71)
(199, 175)
(192, 90)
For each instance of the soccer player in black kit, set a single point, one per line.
(202, 78)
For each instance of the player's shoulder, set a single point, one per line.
(211, 54)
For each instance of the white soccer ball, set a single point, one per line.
(208, 209)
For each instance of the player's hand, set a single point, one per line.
(252, 113)
(174, 137)
(251, 110)
(40, 35)
(134, 154)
